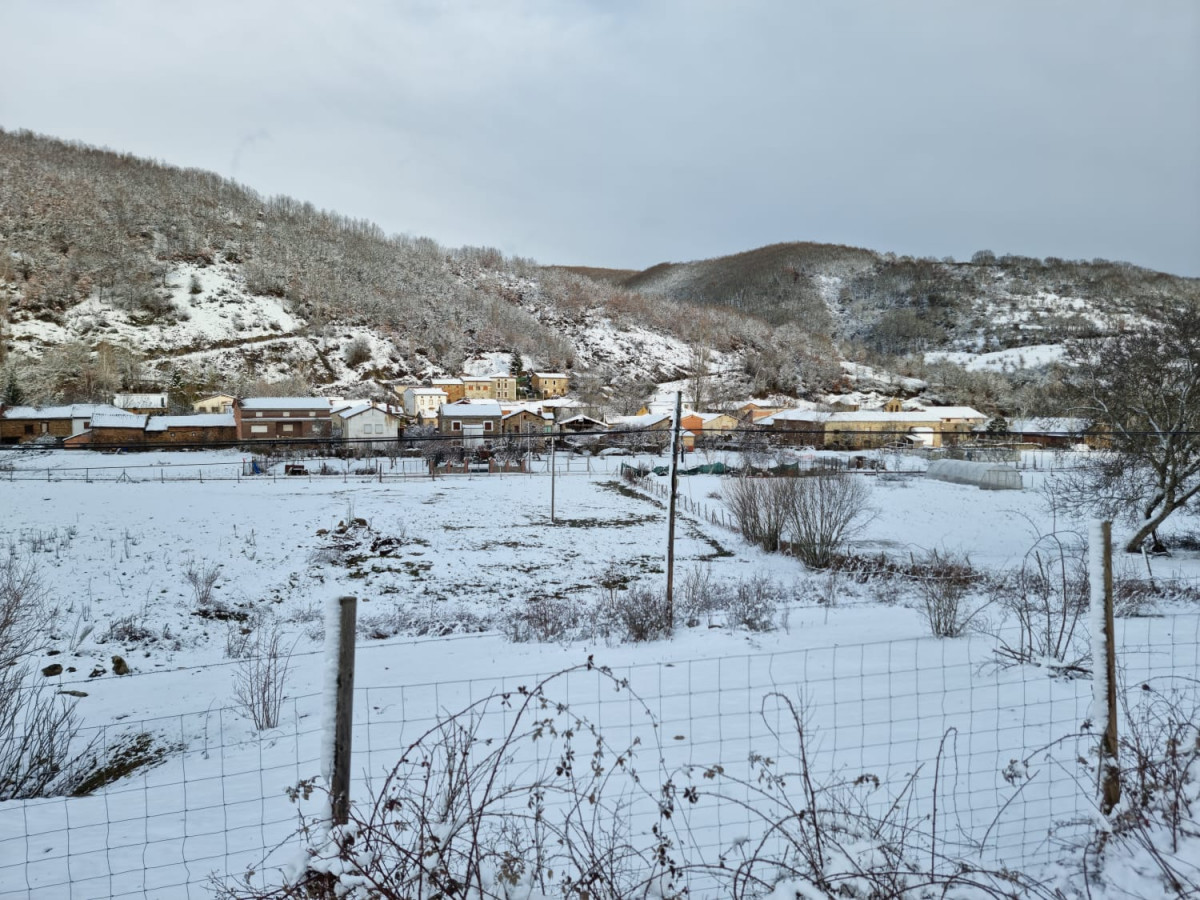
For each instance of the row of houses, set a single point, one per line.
(502, 388)
(475, 422)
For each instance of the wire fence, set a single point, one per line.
(996, 761)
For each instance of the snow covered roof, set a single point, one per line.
(74, 411)
(550, 374)
(425, 392)
(531, 412)
(649, 420)
(473, 409)
(582, 418)
(929, 414)
(1049, 425)
(445, 381)
(119, 419)
(288, 403)
(359, 408)
(203, 420)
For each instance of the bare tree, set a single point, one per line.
(829, 508)
(1142, 389)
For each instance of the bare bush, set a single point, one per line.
(847, 836)
(549, 618)
(358, 351)
(639, 613)
(1046, 597)
(753, 603)
(828, 509)
(1157, 825)
(457, 818)
(202, 578)
(761, 507)
(946, 590)
(698, 595)
(813, 516)
(261, 678)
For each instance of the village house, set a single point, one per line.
(504, 388)
(1050, 431)
(708, 426)
(363, 420)
(477, 387)
(282, 418)
(217, 403)
(454, 388)
(933, 426)
(646, 429)
(111, 430)
(146, 404)
(424, 402)
(526, 421)
(470, 422)
(205, 428)
(753, 412)
(548, 384)
(581, 425)
(25, 424)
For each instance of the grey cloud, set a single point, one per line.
(624, 134)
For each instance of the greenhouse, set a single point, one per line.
(989, 476)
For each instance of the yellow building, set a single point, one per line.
(549, 384)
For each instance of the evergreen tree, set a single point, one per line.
(514, 364)
(13, 394)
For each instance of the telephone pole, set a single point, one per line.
(675, 446)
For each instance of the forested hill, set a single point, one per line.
(117, 271)
(898, 304)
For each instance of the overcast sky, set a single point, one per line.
(623, 133)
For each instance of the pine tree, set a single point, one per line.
(13, 394)
(514, 364)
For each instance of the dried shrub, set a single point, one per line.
(946, 586)
(261, 678)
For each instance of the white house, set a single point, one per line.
(364, 420)
(423, 401)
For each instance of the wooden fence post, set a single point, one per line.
(1104, 663)
(343, 718)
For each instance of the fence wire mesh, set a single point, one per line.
(995, 763)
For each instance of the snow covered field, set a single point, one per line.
(438, 567)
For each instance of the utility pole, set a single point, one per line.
(552, 522)
(671, 506)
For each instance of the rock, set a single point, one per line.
(98, 671)
(51, 670)
(74, 693)
(120, 667)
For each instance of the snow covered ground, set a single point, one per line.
(439, 566)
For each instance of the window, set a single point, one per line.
(456, 425)
(487, 426)
(259, 414)
(285, 414)
(29, 429)
(258, 429)
(312, 415)
(379, 429)
(287, 427)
